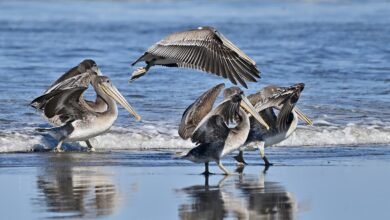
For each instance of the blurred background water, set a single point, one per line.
(339, 49)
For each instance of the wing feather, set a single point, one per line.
(198, 110)
(213, 130)
(78, 81)
(204, 49)
(62, 106)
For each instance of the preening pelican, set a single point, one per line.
(204, 49)
(212, 134)
(77, 120)
(282, 125)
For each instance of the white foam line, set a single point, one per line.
(159, 137)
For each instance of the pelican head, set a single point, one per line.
(87, 64)
(104, 83)
(237, 97)
(293, 93)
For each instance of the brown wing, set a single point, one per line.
(270, 96)
(61, 106)
(197, 110)
(78, 81)
(73, 72)
(204, 49)
(212, 130)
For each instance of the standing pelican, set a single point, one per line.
(203, 49)
(212, 134)
(282, 125)
(78, 120)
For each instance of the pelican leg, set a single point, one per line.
(90, 147)
(240, 158)
(206, 169)
(262, 154)
(220, 165)
(58, 147)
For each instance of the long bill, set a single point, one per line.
(302, 116)
(113, 92)
(246, 104)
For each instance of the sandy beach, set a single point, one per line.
(305, 183)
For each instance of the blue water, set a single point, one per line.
(339, 49)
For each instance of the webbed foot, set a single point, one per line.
(137, 73)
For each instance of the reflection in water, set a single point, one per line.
(73, 191)
(239, 197)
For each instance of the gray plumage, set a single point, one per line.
(197, 110)
(204, 49)
(212, 134)
(77, 77)
(269, 99)
(281, 125)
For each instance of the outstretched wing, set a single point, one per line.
(270, 96)
(204, 49)
(212, 130)
(197, 110)
(78, 81)
(61, 106)
(80, 69)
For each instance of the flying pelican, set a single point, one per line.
(282, 125)
(203, 49)
(77, 120)
(212, 134)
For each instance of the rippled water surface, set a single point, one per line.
(339, 49)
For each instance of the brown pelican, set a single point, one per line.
(78, 76)
(212, 134)
(282, 125)
(77, 120)
(204, 49)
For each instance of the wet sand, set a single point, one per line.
(305, 183)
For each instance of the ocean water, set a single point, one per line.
(339, 49)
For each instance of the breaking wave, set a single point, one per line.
(152, 137)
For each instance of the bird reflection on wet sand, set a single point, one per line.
(239, 197)
(69, 191)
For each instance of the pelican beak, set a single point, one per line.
(246, 104)
(113, 92)
(302, 116)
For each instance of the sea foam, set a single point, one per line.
(150, 137)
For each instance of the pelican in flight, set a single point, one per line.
(204, 49)
(75, 118)
(282, 125)
(211, 129)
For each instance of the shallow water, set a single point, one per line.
(323, 183)
(339, 49)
